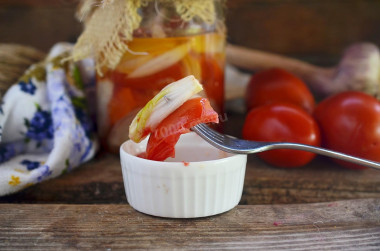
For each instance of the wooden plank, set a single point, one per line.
(313, 30)
(316, 31)
(347, 225)
(38, 3)
(100, 181)
(40, 27)
(318, 181)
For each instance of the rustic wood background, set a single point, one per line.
(313, 30)
(345, 225)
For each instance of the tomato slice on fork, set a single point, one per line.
(161, 144)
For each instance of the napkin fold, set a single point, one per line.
(45, 124)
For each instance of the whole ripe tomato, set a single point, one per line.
(281, 122)
(277, 85)
(350, 123)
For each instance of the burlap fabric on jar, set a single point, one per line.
(140, 46)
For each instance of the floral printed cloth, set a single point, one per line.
(45, 125)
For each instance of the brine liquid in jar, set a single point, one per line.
(150, 64)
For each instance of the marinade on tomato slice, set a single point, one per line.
(161, 144)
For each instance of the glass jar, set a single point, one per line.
(165, 48)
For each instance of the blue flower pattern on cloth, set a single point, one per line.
(6, 152)
(40, 127)
(56, 132)
(30, 165)
(44, 173)
(28, 87)
(85, 121)
(1, 107)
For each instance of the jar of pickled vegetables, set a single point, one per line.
(174, 39)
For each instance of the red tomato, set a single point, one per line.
(277, 85)
(163, 139)
(350, 123)
(281, 122)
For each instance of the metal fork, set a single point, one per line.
(234, 145)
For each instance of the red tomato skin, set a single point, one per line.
(282, 122)
(350, 123)
(161, 144)
(277, 85)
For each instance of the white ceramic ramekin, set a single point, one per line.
(200, 181)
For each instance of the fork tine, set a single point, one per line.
(221, 137)
(207, 132)
(210, 133)
(202, 130)
(211, 137)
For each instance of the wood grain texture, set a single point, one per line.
(313, 30)
(39, 3)
(343, 225)
(100, 181)
(39, 27)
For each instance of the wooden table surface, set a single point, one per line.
(345, 225)
(318, 206)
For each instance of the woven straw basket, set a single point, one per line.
(14, 60)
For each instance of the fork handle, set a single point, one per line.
(322, 151)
